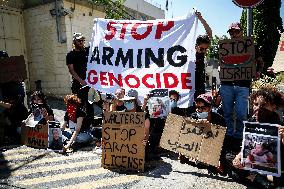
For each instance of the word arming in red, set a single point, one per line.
(169, 80)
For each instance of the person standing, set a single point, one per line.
(202, 44)
(235, 99)
(76, 61)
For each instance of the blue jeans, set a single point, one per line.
(234, 98)
(82, 137)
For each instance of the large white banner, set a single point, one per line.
(144, 55)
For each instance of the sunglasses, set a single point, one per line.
(201, 107)
(80, 40)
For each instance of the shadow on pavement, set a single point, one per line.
(216, 177)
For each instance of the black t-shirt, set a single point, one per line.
(215, 118)
(79, 113)
(199, 74)
(79, 60)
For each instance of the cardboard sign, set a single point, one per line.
(278, 63)
(55, 141)
(261, 148)
(35, 137)
(170, 137)
(198, 141)
(144, 55)
(12, 69)
(122, 136)
(236, 58)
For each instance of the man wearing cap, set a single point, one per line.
(76, 61)
(235, 98)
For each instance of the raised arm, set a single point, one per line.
(205, 24)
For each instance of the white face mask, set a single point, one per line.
(202, 115)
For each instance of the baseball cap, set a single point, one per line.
(205, 97)
(235, 26)
(77, 36)
(134, 93)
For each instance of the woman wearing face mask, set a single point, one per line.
(203, 105)
(131, 105)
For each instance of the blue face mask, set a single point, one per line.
(129, 105)
(173, 104)
(202, 115)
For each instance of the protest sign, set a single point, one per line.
(144, 55)
(170, 137)
(55, 141)
(236, 58)
(261, 148)
(122, 136)
(198, 141)
(12, 69)
(278, 63)
(159, 103)
(36, 137)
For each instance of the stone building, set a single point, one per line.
(41, 30)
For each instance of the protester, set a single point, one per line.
(201, 46)
(174, 98)
(16, 112)
(76, 61)
(265, 102)
(79, 133)
(203, 105)
(235, 99)
(117, 103)
(39, 101)
(131, 105)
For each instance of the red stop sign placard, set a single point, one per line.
(247, 3)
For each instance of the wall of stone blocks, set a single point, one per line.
(46, 56)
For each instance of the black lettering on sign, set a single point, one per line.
(236, 73)
(149, 55)
(126, 162)
(107, 54)
(128, 58)
(116, 147)
(190, 147)
(182, 58)
(124, 119)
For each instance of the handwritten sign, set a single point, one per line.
(122, 136)
(237, 59)
(199, 141)
(36, 137)
(12, 69)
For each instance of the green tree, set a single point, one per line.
(267, 25)
(214, 47)
(113, 9)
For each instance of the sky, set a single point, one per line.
(219, 14)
